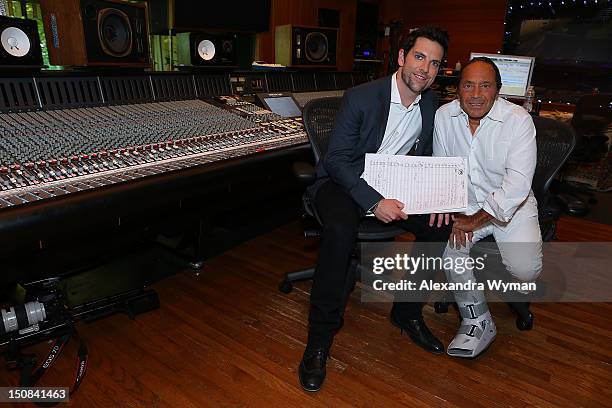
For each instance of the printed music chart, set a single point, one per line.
(424, 184)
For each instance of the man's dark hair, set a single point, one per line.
(431, 33)
(486, 60)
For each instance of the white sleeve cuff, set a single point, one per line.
(492, 207)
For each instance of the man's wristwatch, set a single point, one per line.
(373, 208)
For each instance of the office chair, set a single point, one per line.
(590, 121)
(318, 116)
(555, 141)
(591, 118)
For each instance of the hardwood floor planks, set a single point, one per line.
(227, 338)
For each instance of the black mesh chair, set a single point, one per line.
(590, 121)
(555, 141)
(319, 116)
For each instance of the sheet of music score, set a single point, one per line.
(424, 184)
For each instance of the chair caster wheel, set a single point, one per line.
(526, 323)
(285, 287)
(441, 307)
(196, 265)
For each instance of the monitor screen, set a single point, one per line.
(515, 72)
(284, 106)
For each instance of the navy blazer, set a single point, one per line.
(359, 128)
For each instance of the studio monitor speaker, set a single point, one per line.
(20, 44)
(96, 32)
(206, 49)
(300, 46)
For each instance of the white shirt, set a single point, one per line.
(404, 124)
(501, 154)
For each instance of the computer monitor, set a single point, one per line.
(281, 103)
(515, 72)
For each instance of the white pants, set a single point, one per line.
(519, 242)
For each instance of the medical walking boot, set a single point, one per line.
(476, 333)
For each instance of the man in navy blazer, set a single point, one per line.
(392, 115)
(368, 107)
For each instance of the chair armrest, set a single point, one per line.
(304, 172)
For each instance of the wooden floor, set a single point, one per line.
(228, 338)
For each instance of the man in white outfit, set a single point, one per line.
(498, 140)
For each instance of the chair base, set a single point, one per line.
(286, 286)
(441, 307)
(524, 317)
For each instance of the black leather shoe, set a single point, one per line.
(420, 334)
(312, 368)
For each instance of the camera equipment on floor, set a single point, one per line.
(45, 314)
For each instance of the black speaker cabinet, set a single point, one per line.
(366, 30)
(96, 32)
(299, 46)
(206, 50)
(20, 44)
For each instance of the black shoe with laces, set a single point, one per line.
(312, 368)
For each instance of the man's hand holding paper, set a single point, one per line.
(424, 185)
(388, 210)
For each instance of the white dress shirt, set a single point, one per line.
(404, 124)
(501, 155)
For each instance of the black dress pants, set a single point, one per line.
(332, 280)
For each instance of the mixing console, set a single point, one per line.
(44, 154)
(252, 112)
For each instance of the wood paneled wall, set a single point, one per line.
(305, 12)
(474, 25)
